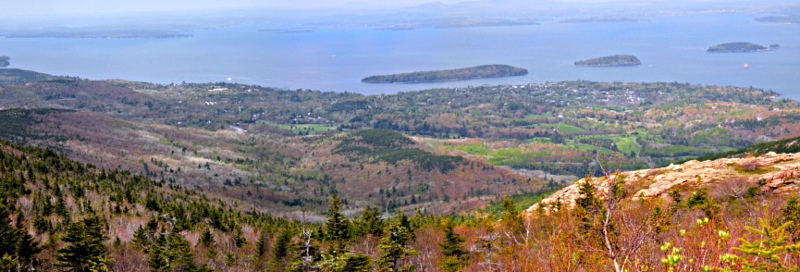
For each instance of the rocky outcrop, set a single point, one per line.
(771, 172)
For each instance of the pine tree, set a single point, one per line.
(85, 250)
(393, 247)
(171, 253)
(791, 212)
(337, 225)
(281, 246)
(455, 256)
(261, 245)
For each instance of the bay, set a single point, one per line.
(671, 48)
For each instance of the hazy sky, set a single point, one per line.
(25, 8)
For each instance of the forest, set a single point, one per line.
(59, 214)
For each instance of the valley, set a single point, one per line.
(237, 168)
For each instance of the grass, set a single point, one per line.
(625, 144)
(298, 128)
(514, 157)
(539, 116)
(561, 127)
(476, 148)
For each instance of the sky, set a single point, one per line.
(37, 8)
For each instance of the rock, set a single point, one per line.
(781, 179)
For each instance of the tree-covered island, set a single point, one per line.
(483, 71)
(615, 60)
(736, 47)
(4, 61)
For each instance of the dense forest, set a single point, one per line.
(58, 214)
(483, 71)
(615, 60)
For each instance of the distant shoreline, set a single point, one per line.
(96, 35)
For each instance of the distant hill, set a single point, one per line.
(4, 61)
(615, 60)
(791, 19)
(14, 76)
(736, 47)
(603, 20)
(789, 145)
(484, 71)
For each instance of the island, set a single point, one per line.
(615, 60)
(736, 47)
(4, 61)
(605, 20)
(791, 19)
(483, 71)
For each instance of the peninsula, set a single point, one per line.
(736, 47)
(483, 71)
(615, 60)
(4, 61)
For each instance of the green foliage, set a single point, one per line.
(85, 251)
(17, 125)
(393, 246)
(282, 245)
(768, 249)
(391, 147)
(171, 252)
(337, 226)
(455, 257)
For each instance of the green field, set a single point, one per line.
(311, 128)
(561, 127)
(478, 149)
(539, 116)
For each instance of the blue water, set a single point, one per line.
(671, 48)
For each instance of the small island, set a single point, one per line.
(736, 47)
(615, 60)
(4, 61)
(792, 19)
(484, 71)
(604, 20)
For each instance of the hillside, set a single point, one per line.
(483, 71)
(283, 174)
(278, 148)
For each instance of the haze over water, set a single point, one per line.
(671, 48)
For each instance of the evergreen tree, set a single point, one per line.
(85, 251)
(393, 248)
(337, 225)
(281, 246)
(371, 222)
(171, 253)
(261, 245)
(791, 212)
(455, 256)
